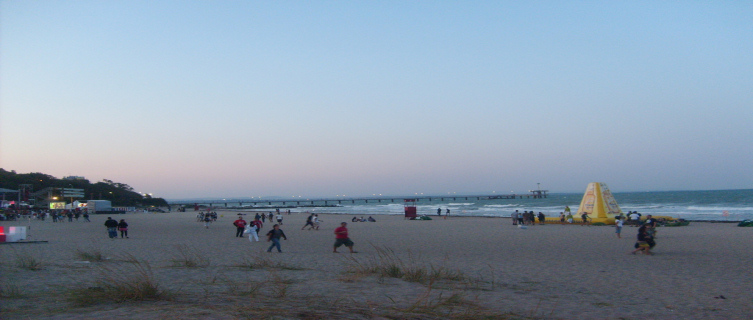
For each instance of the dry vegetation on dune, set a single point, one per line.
(257, 286)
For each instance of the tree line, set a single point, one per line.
(120, 194)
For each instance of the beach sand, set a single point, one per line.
(484, 267)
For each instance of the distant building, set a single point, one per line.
(74, 178)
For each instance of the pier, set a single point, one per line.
(332, 202)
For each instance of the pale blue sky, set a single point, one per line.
(322, 98)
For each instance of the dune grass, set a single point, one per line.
(130, 280)
(187, 257)
(265, 262)
(387, 264)
(28, 260)
(11, 291)
(92, 255)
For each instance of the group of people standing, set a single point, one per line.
(263, 217)
(207, 218)
(527, 218)
(62, 215)
(446, 213)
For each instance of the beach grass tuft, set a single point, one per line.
(264, 262)
(29, 261)
(280, 285)
(10, 291)
(131, 281)
(245, 287)
(388, 264)
(93, 255)
(186, 257)
(447, 305)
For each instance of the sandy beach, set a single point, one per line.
(483, 268)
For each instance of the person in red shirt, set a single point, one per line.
(341, 238)
(240, 225)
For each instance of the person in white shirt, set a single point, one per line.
(634, 218)
(618, 225)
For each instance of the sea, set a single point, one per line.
(716, 205)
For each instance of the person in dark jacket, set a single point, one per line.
(112, 227)
(274, 236)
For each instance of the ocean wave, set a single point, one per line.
(502, 206)
(720, 209)
(641, 207)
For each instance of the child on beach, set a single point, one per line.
(618, 226)
(254, 227)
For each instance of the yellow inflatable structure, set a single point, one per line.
(599, 203)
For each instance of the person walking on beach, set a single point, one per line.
(279, 218)
(439, 211)
(240, 226)
(514, 217)
(584, 216)
(207, 220)
(309, 222)
(541, 217)
(112, 227)
(86, 217)
(123, 227)
(341, 238)
(274, 236)
(447, 213)
(562, 218)
(270, 217)
(255, 226)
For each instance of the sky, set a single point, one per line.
(186, 99)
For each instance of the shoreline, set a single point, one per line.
(433, 216)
